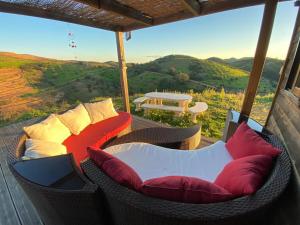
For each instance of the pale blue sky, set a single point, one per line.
(228, 34)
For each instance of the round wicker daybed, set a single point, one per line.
(127, 207)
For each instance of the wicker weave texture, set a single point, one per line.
(175, 138)
(128, 207)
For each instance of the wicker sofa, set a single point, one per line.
(128, 207)
(93, 135)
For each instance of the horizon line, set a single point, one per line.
(154, 57)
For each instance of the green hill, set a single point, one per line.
(205, 72)
(73, 80)
(271, 68)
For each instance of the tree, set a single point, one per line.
(182, 77)
(172, 71)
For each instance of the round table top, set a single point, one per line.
(166, 137)
(169, 96)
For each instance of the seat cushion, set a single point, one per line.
(246, 142)
(115, 169)
(146, 159)
(39, 148)
(50, 129)
(185, 189)
(99, 111)
(246, 175)
(96, 135)
(75, 119)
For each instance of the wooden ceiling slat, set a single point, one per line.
(207, 7)
(116, 7)
(193, 6)
(54, 15)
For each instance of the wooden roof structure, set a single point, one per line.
(121, 15)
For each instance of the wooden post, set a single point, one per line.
(286, 68)
(123, 71)
(260, 56)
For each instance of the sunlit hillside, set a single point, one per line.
(32, 86)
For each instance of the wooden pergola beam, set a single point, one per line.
(193, 6)
(224, 5)
(118, 8)
(206, 8)
(260, 56)
(123, 71)
(13, 8)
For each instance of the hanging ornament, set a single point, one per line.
(128, 35)
(72, 42)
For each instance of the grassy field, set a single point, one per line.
(212, 121)
(32, 86)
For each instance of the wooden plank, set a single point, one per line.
(290, 105)
(8, 213)
(193, 6)
(24, 208)
(260, 56)
(285, 70)
(289, 133)
(163, 107)
(275, 129)
(141, 123)
(123, 71)
(7, 7)
(121, 9)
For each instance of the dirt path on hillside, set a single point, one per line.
(15, 93)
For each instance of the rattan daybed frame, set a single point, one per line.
(128, 207)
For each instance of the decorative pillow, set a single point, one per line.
(51, 129)
(115, 168)
(246, 142)
(76, 119)
(185, 189)
(246, 175)
(101, 110)
(39, 148)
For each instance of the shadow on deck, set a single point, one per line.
(15, 207)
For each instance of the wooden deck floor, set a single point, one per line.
(15, 207)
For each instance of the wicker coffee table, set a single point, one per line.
(176, 138)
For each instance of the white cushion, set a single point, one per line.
(99, 111)
(76, 119)
(50, 129)
(150, 161)
(39, 148)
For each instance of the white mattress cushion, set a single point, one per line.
(151, 161)
(39, 148)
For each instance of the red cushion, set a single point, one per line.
(115, 168)
(96, 135)
(185, 189)
(246, 142)
(246, 175)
